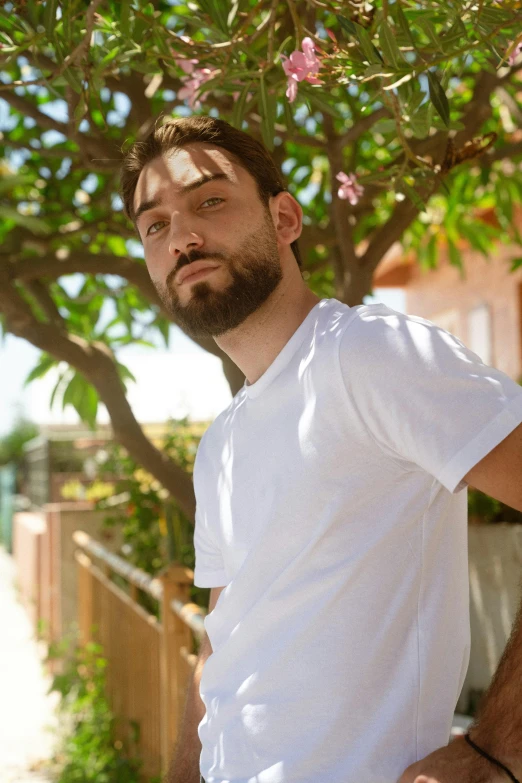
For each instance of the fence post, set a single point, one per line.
(176, 580)
(85, 606)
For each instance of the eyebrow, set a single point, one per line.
(198, 183)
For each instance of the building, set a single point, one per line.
(484, 309)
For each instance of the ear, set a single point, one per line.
(287, 216)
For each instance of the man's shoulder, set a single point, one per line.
(215, 432)
(375, 322)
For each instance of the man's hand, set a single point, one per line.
(456, 763)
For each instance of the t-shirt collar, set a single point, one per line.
(284, 356)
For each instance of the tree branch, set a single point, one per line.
(478, 110)
(340, 212)
(390, 232)
(19, 103)
(95, 362)
(97, 148)
(362, 125)
(508, 151)
(42, 296)
(51, 268)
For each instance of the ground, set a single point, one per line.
(26, 709)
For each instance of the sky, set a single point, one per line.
(183, 380)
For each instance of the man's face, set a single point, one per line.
(211, 251)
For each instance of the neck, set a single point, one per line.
(254, 345)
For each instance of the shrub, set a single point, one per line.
(88, 748)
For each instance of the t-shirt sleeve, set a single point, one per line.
(209, 570)
(423, 396)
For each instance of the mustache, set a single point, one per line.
(184, 260)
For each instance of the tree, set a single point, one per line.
(12, 443)
(393, 122)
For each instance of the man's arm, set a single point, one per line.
(499, 473)
(498, 726)
(497, 729)
(185, 763)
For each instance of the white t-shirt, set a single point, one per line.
(329, 503)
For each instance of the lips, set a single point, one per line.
(191, 269)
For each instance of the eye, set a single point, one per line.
(151, 227)
(213, 198)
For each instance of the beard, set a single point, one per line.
(256, 272)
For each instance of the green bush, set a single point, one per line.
(88, 750)
(483, 509)
(155, 530)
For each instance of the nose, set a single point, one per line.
(182, 240)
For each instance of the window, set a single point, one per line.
(479, 333)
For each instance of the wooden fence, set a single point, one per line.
(150, 660)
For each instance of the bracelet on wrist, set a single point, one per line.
(490, 758)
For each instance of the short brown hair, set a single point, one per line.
(178, 132)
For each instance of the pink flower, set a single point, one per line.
(191, 86)
(186, 65)
(301, 66)
(350, 189)
(514, 54)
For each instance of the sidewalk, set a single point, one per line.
(25, 708)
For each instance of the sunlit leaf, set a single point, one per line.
(392, 53)
(43, 366)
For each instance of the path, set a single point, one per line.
(25, 708)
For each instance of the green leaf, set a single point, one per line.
(87, 407)
(124, 373)
(438, 98)
(455, 256)
(347, 26)
(73, 81)
(495, 16)
(217, 11)
(114, 52)
(268, 108)
(403, 23)
(516, 263)
(73, 393)
(281, 48)
(503, 200)
(117, 246)
(44, 365)
(421, 119)
(239, 107)
(412, 195)
(392, 53)
(430, 31)
(49, 18)
(453, 38)
(289, 118)
(430, 257)
(316, 98)
(80, 112)
(61, 380)
(125, 17)
(372, 53)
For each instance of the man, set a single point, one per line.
(331, 503)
